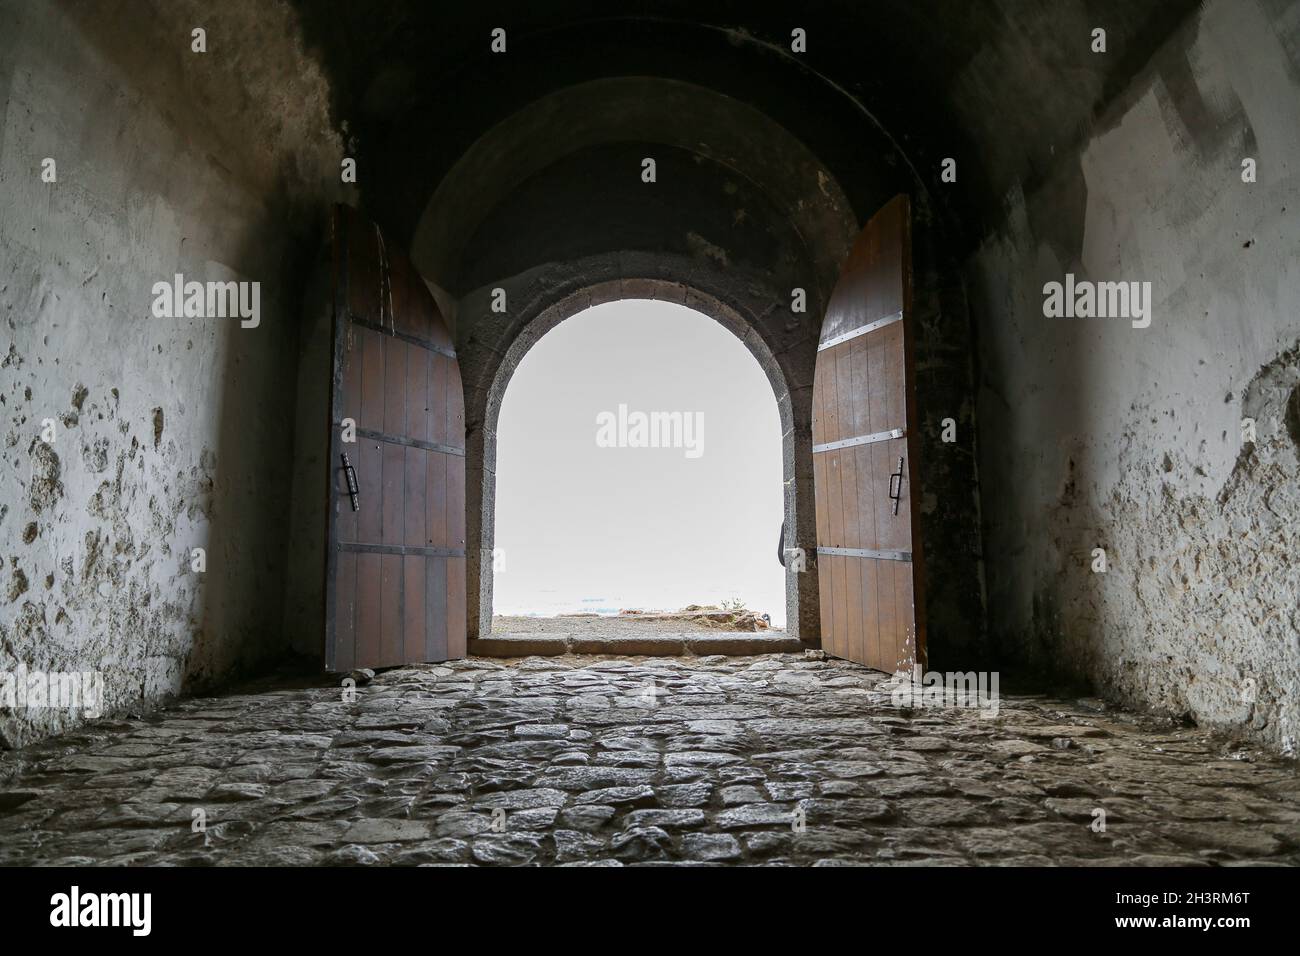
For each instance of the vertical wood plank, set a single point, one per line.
(436, 609)
(840, 589)
(456, 639)
(869, 574)
(455, 501)
(345, 611)
(395, 373)
(437, 414)
(819, 400)
(830, 402)
(368, 601)
(416, 487)
(820, 503)
(854, 646)
(369, 465)
(436, 501)
(393, 505)
(824, 604)
(835, 570)
(890, 625)
(848, 400)
(418, 361)
(372, 378)
(391, 612)
(414, 575)
(891, 388)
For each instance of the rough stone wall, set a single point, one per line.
(1095, 434)
(171, 434)
(949, 484)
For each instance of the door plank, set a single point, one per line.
(436, 501)
(436, 610)
(393, 507)
(413, 613)
(372, 379)
(369, 466)
(391, 618)
(871, 653)
(345, 613)
(891, 623)
(418, 361)
(456, 620)
(438, 429)
(368, 605)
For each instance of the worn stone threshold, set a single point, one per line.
(649, 645)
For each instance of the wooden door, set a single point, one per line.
(864, 455)
(395, 551)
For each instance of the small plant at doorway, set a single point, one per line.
(732, 615)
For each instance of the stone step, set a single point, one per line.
(647, 645)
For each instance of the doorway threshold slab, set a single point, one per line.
(649, 645)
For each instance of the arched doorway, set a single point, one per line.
(638, 466)
(482, 438)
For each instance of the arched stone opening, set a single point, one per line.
(541, 217)
(542, 220)
(485, 408)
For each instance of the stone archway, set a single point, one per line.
(544, 315)
(545, 218)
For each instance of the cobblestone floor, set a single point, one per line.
(775, 759)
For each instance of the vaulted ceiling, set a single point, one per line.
(884, 92)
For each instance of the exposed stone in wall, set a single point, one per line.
(1095, 434)
(256, 102)
(169, 434)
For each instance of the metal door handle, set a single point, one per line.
(896, 493)
(350, 474)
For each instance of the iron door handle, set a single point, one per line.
(896, 493)
(350, 474)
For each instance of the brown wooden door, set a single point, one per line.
(864, 455)
(395, 552)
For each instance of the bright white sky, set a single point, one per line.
(586, 528)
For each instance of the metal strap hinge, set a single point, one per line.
(860, 330)
(886, 555)
(860, 440)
